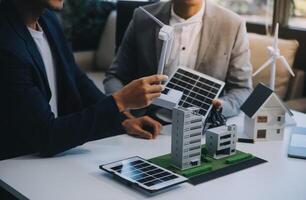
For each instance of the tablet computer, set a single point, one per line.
(297, 143)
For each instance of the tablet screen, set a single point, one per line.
(143, 173)
(298, 140)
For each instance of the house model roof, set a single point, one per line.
(257, 98)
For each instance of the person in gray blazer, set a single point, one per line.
(215, 43)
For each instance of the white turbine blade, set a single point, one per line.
(286, 65)
(161, 64)
(275, 42)
(169, 49)
(266, 64)
(153, 17)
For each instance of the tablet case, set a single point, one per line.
(297, 143)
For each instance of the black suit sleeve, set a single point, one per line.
(89, 92)
(30, 117)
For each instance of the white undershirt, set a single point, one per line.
(46, 54)
(186, 41)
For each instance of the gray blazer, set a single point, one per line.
(223, 53)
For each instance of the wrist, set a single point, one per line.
(120, 103)
(128, 114)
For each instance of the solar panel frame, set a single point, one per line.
(151, 178)
(199, 89)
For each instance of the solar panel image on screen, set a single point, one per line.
(199, 89)
(143, 173)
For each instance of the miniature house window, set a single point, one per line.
(278, 131)
(262, 119)
(279, 118)
(261, 133)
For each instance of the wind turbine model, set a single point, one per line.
(169, 98)
(275, 55)
(166, 34)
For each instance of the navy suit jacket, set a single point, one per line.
(27, 124)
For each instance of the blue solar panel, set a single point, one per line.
(143, 173)
(198, 89)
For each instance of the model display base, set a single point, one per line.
(168, 99)
(211, 168)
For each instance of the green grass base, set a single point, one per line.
(208, 164)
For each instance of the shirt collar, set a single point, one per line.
(38, 34)
(197, 17)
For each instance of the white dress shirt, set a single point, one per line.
(47, 57)
(186, 41)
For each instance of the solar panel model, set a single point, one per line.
(198, 89)
(143, 174)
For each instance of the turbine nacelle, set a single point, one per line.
(273, 52)
(166, 33)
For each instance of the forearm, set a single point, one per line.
(47, 135)
(232, 101)
(239, 77)
(96, 122)
(112, 84)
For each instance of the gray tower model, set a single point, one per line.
(186, 137)
(221, 141)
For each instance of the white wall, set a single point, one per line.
(272, 109)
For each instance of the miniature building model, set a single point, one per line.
(221, 141)
(186, 137)
(264, 114)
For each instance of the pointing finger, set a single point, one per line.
(155, 78)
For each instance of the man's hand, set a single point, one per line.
(139, 93)
(143, 127)
(217, 103)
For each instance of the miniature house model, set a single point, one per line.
(221, 141)
(186, 138)
(264, 114)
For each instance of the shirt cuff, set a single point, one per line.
(227, 108)
(117, 125)
(111, 117)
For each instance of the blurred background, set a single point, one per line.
(84, 20)
(95, 28)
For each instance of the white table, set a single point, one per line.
(75, 174)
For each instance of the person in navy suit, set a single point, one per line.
(47, 104)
